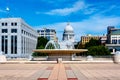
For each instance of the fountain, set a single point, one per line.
(63, 50)
(60, 50)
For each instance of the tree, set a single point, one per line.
(98, 51)
(41, 42)
(92, 42)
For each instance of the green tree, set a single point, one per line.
(98, 51)
(50, 46)
(41, 42)
(92, 42)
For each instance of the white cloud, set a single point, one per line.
(95, 25)
(66, 11)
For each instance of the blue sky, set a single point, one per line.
(86, 16)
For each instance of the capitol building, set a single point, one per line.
(68, 34)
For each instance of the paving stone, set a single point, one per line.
(61, 71)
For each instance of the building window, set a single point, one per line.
(38, 31)
(14, 24)
(114, 41)
(42, 31)
(4, 45)
(2, 41)
(5, 24)
(11, 24)
(14, 44)
(4, 30)
(2, 24)
(119, 41)
(22, 31)
(13, 30)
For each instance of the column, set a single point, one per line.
(9, 45)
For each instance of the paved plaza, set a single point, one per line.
(89, 71)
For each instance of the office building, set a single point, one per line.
(17, 38)
(50, 34)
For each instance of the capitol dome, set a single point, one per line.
(68, 34)
(68, 28)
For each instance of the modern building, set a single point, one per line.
(68, 34)
(113, 38)
(17, 38)
(50, 34)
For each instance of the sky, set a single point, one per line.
(85, 16)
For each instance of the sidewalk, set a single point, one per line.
(60, 71)
(54, 62)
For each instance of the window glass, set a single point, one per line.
(4, 30)
(5, 24)
(2, 24)
(11, 24)
(13, 30)
(15, 24)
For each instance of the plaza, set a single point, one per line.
(53, 71)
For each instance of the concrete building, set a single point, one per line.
(68, 34)
(50, 34)
(17, 38)
(113, 38)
